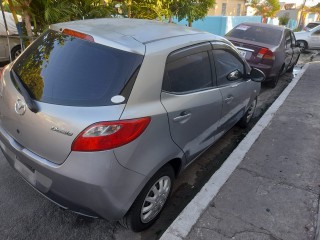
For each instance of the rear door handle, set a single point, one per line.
(183, 116)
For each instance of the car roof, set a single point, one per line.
(128, 34)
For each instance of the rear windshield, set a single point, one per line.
(312, 25)
(256, 34)
(61, 69)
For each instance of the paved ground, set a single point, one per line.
(274, 192)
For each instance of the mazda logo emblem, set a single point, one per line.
(20, 107)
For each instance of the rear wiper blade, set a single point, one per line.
(29, 101)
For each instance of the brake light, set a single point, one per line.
(265, 53)
(78, 34)
(108, 135)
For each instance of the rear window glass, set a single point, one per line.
(61, 69)
(190, 73)
(256, 34)
(312, 25)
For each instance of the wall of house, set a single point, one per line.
(220, 25)
(231, 8)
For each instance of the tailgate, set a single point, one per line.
(49, 133)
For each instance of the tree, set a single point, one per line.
(265, 8)
(147, 9)
(192, 10)
(316, 9)
(46, 12)
(24, 7)
(283, 20)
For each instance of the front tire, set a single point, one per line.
(147, 207)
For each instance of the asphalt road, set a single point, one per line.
(24, 214)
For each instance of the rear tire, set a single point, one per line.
(245, 120)
(274, 80)
(147, 207)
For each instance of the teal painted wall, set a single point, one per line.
(220, 25)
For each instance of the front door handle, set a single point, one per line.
(228, 100)
(183, 116)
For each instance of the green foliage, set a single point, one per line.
(192, 10)
(147, 9)
(45, 12)
(283, 20)
(267, 8)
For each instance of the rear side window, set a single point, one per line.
(189, 73)
(61, 69)
(256, 34)
(312, 25)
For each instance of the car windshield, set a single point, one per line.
(61, 69)
(256, 34)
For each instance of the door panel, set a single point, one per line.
(315, 39)
(234, 109)
(235, 94)
(191, 100)
(288, 50)
(295, 50)
(193, 119)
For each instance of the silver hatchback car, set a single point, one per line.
(100, 116)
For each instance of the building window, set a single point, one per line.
(224, 9)
(238, 9)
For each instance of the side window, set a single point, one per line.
(288, 40)
(189, 73)
(225, 63)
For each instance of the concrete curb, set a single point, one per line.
(182, 225)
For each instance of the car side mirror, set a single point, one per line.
(234, 75)
(257, 75)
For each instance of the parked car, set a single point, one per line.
(13, 48)
(272, 49)
(101, 115)
(311, 25)
(309, 39)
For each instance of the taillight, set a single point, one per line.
(265, 53)
(78, 34)
(108, 135)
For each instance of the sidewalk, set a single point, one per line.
(274, 192)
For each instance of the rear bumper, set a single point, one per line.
(91, 184)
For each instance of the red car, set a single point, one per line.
(272, 49)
